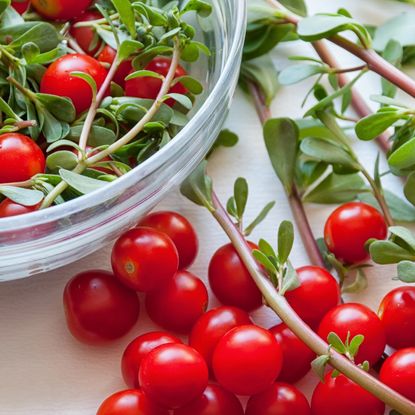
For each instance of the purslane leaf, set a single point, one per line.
(22, 196)
(82, 184)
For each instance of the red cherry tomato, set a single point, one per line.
(144, 259)
(230, 280)
(179, 303)
(181, 232)
(130, 402)
(212, 326)
(20, 6)
(247, 360)
(139, 348)
(86, 36)
(107, 55)
(20, 158)
(279, 399)
(296, 356)
(214, 401)
(60, 9)
(348, 229)
(397, 313)
(57, 79)
(356, 319)
(341, 396)
(9, 208)
(146, 87)
(173, 375)
(318, 293)
(398, 372)
(98, 307)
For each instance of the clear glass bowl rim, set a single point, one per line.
(97, 197)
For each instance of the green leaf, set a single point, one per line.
(6, 109)
(404, 234)
(60, 107)
(202, 8)
(406, 271)
(266, 248)
(319, 365)
(129, 47)
(62, 160)
(265, 261)
(4, 4)
(387, 252)
(291, 280)
(409, 188)
(373, 125)
(336, 188)
(190, 83)
(82, 184)
(335, 341)
(88, 79)
(170, 34)
(359, 284)
(404, 156)
(126, 12)
(281, 141)
(393, 53)
(97, 137)
(241, 196)
(355, 344)
(285, 240)
(198, 187)
(181, 99)
(144, 73)
(296, 73)
(296, 6)
(261, 216)
(62, 143)
(327, 151)
(22, 196)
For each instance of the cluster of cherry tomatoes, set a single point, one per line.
(166, 376)
(21, 158)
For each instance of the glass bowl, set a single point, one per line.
(48, 239)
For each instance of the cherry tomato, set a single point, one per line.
(107, 55)
(20, 158)
(348, 229)
(146, 87)
(279, 399)
(214, 401)
(20, 5)
(247, 360)
(144, 259)
(398, 372)
(137, 350)
(60, 9)
(212, 326)
(86, 36)
(318, 293)
(179, 303)
(397, 313)
(57, 79)
(130, 402)
(341, 396)
(181, 232)
(356, 319)
(230, 280)
(98, 307)
(296, 356)
(173, 375)
(9, 208)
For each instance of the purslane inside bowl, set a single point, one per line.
(53, 237)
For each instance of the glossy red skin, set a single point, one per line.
(397, 313)
(181, 232)
(279, 399)
(9, 208)
(212, 326)
(247, 360)
(348, 229)
(173, 375)
(130, 402)
(107, 55)
(21, 6)
(179, 303)
(231, 282)
(139, 348)
(356, 319)
(20, 158)
(296, 356)
(146, 87)
(57, 79)
(398, 372)
(214, 401)
(60, 9)
(98, 307)
(318, 293)
(341, 396)
(85, 36)
(144, 259)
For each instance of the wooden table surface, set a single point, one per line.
(43, 370)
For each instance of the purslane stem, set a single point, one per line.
(279, 304)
